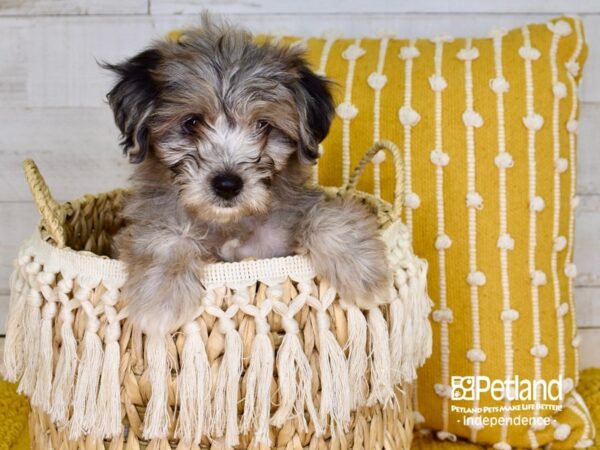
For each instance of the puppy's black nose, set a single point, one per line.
(227, 185)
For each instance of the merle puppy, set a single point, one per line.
(223, 132)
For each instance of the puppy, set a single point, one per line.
(224, 132)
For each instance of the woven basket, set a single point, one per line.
(273, 359)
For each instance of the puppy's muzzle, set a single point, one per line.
(227, 185)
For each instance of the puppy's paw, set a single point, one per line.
(345, 247)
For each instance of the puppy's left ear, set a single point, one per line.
(316, 109)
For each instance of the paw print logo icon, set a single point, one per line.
(463, 388)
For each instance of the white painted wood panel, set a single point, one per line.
(57, 57)
(72, 7)
(589, 355)
(372, 6)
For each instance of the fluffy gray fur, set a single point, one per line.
(216, 102)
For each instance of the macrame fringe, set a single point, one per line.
(226, 392)
(43, 386)
(193, 387)
(259, 376)
(397, 345)
(13, 343)
(86, 389)
(382, 390)
(156, 419)
(294, 378)
(335, 385)
(64, 379)
(31, 342)
(358, 362)
(109, 394)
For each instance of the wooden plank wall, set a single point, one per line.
(52, 105)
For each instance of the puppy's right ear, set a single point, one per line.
(131, 100)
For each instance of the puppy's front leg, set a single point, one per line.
(343, 242)
(163, 286)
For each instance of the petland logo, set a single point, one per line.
(470, 388)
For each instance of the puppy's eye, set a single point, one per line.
(190, 123)
(262, 125)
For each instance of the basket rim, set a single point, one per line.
(84, 263)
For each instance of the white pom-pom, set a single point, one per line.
(472, 119)
(412, 200)
(571, 270)
(537, 204)
(377, 80)
(409, 52)
(379, 157)
(502, 446)
(561, 165)
(560, 90)
(438, 83)
(446, 436)
(346, 111)
(498, 32)
(474, 200)
(539, 351)
(476, 355)
(442, 315)
(506, 242)
(504, 161)
(567, 385)
(418, 417)
(560, 243)
(529, 53)
(509, 315)
(562, 309)
(442, 390)
(443, 242)
(561, 27)
(468, 54)
(475, 424)
(499, 85)
(576, 341)
(353, 52)
(439, 158)
(584, 443)
(572, 125)
(573, 67)
(533, 121)
(562, 432)
(408, 116)
(575, 202)
(538, 278)
(476, 278)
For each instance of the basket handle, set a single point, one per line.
(52, 212)
(383, 144)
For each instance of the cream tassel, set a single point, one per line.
(397, 347)
(226, 391)
(193, 387)
(43, 386)
(382, 391)
(109, 393)
(335, 385)
(31, 335)
(156, 419)
(294, 372)
(88, 375)
(13, 344)
(358, 362)
(64, 378)
(257, 403)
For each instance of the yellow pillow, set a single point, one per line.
(488, 127)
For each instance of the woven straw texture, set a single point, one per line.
(488, 129)
(274, 359)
